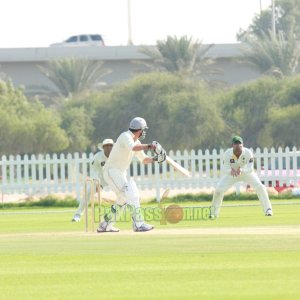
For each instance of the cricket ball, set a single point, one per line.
(174, 213)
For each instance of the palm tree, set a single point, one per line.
(287, 20)
(272, 54)
(73, 76)
(181, 55)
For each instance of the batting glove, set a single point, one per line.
(156, 146)
(159, 158)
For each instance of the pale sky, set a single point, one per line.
(38, 23)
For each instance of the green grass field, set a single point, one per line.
(241, 255)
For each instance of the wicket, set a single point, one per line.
(95, 187)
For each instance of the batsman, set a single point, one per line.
(125, 148)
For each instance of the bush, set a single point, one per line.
(27, 127)
(48, 201)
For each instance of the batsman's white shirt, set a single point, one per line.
(121, 154)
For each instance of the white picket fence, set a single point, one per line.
(48, 174)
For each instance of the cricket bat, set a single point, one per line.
(178, 167)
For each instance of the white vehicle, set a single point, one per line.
(81, 40)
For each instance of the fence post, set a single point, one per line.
(55, 172)
(76, 172)
(41, 173)
(3, 175)
(33, 173)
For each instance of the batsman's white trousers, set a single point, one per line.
(227, 181)
(126, 192)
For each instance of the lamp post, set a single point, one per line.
(129, 22)
(273, 19)
(260, 9)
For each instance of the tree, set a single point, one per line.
(181, 55)
(273, 55)
(78, 127)
(287, 21)
(72, 76)
(27, 127)
(265, 112)
(276, 54)
(284, 125)
(284, 117)
(246, 110)
(181, 114)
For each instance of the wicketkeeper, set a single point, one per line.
(126, 147)
(97, 165)
(238, 166)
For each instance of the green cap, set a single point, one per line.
(237, 139)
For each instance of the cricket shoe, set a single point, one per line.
(76, 218)
(143, 227)
(107, 227)
(269, 213)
